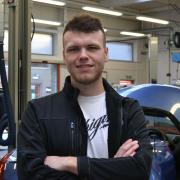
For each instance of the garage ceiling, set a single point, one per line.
(138, 6)
(163, 9)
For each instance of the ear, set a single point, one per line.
(106, 54)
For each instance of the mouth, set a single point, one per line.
(84, 66)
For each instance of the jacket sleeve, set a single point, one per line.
(31, 152)
(130, 168)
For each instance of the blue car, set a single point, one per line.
(161, 105)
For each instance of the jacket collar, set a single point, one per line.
(114, 112)
(73, 92)
(115, 116)
(70, 91)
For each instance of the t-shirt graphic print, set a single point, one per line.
(95, 113)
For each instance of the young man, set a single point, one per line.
(87, 131)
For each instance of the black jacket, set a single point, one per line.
(55, 125)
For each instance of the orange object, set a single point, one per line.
(3, 164)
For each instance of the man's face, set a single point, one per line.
(84, 55)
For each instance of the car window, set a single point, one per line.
(164, 124)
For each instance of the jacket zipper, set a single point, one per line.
(82, 135)
(72, 127)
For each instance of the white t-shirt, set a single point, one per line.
(94, 111)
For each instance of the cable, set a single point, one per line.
(34, 27)
(11, 141)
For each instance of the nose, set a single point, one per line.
(83, 54)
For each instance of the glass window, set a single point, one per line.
(120, 51)
(41, 43)
(163, 124)
(43, 79)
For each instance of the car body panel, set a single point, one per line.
(159, 96)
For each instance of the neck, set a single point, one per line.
(92, 89)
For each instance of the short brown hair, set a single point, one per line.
(84, 23)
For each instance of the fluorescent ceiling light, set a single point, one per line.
(46, 22)
(159, 21)
(105, 30)
(102, 11)
(57, 3)
(127, 33)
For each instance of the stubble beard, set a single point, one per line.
(87, 80)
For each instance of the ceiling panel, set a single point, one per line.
(139, 6)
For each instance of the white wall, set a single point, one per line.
(138, 70)
(115, 71)
(165, 64)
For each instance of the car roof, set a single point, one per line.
(165, 97)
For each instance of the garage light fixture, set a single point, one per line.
(105, 30)
(154, 20)
(57, 3)
(40, 21)
(127, 33)
(102, 11)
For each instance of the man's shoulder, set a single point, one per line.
(56, 99)
(129, 104)
(46, 99)
(123, 100)
(49, 106)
